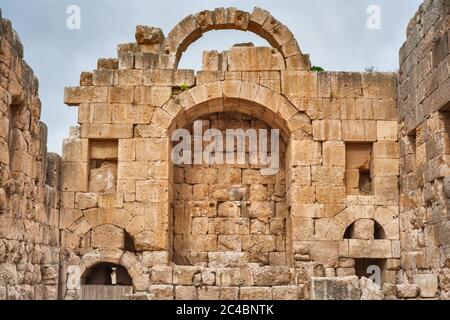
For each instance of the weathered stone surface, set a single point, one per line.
(355, 150)
(408, 291)
(370, 290)
(343, 288)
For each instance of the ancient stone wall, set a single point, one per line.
(423, 105)
(222, 211)
(334, 205)
(362, 186)
(29, 179)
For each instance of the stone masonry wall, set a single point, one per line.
(231, 212)
(423, 105)
(341, 162)
(29, 179)
(364, 178)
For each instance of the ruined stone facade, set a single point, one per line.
(362, 181)
(29, 182)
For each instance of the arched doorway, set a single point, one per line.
(106, 281)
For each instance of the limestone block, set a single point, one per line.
(111, 200)
(184, 275)
(363, 229)
(200, 175)
(103, 77)
(427, 283)
(370, 290)
(327, 130)
(299, 83)
(160, 95)
(155, 259)
(385, 168)
(132, 170)
(121, 94)
(107, 63)
(333, 153)
(346, 84)
(227, 259)
(330, 195)
(103, 179)
(385, 109)
(342, 288)
(305, 153)
(345, 272)
(386, 190)
(73, 96)
(132, 113)
(214, 61)
(230, 176)
(386, 150)
(379, 85)
(327, 175)
(152, 191)
(158, 170)
(125, 77)
(255, 293)
(170, 78)
(301, 175)
(229, 293)
(250, 176)
(107, 236)
(161, 292)
(85, 200)
(302, 195)
(74, 177)
(272, 276)
(152, 149)
(107, 131)
(254, 59)
(185, 293)
(75, 150)
(208, 293)
(161, 275)
(370, 248)
(258, 243)
(387, 131)
(149, 35)
(229, 243)
(223, 226)
(359, 130)
(126, 150)
(103, 150)
(229, 209)
(407, 290)
(200, 243)
(260, 210)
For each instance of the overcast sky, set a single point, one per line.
(333, 32)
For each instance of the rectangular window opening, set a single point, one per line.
(103, 166)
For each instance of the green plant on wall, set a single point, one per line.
(317, 69)
(184, 87)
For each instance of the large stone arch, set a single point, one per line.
(257, 100)
(260, 22)
(243, 97)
